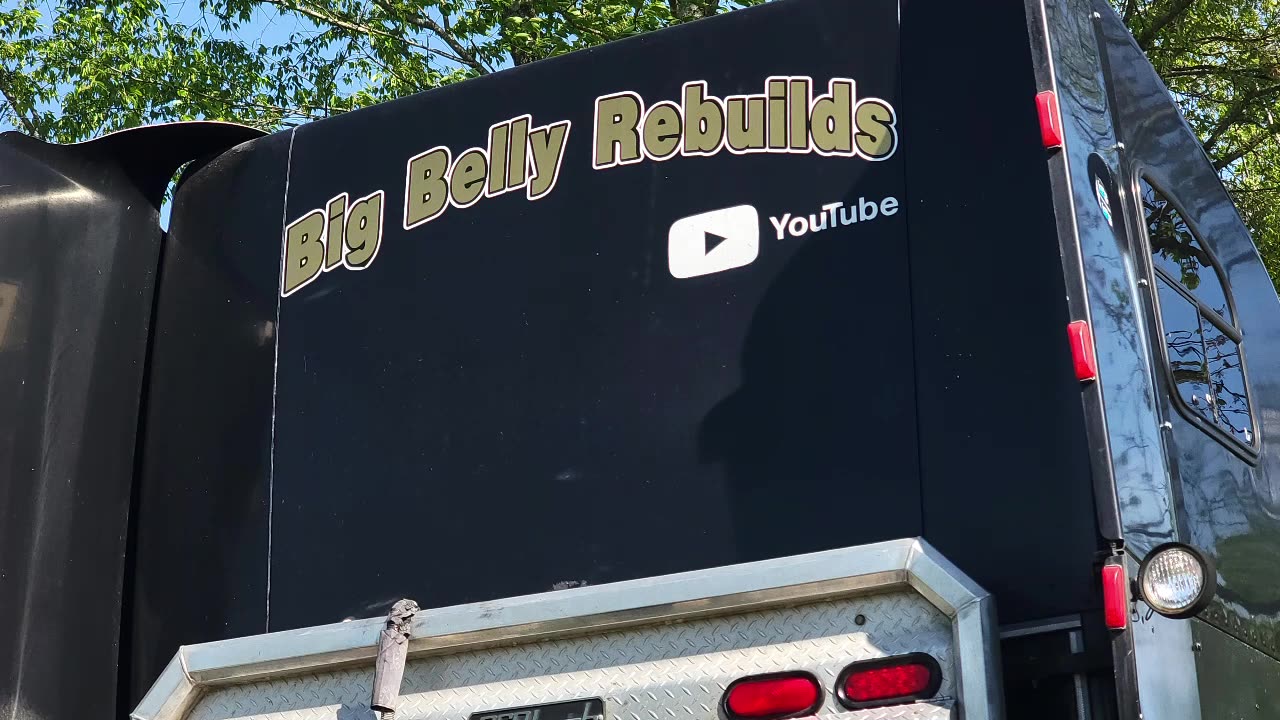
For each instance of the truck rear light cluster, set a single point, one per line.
(874, 683)
(1175, 579)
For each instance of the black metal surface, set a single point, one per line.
(1041, 673)
(523, 359)
(532, 359)
(1235, 680)
(990, 320)
(1222, 500)
(149, 155)
(79, 245)
(201, 544)
(1107, 260)
(1065, 673)
(1043, 59)
(1130, 482)
(1094, 262)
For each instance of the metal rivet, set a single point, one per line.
(860, 619)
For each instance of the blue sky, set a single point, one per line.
(268, 26)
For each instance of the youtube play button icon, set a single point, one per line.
(713, 241)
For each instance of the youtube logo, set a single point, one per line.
(713, 241)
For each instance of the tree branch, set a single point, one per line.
(1267, 133)
(302, 110)
(1266, 36)
(1236, 113)
(1130, 8)
(693, 9)
(465, 56)
(1215, 71)
(28, 125)
(355, 27)
(1149, 33)
(520, 54)
(571, 21)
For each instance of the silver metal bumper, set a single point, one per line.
(653, 649)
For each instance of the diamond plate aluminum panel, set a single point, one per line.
(663, 672)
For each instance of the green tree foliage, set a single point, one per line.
(1221, 61)
(73, 69)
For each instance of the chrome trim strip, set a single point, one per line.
(877, 567)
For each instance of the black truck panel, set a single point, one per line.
(201, 541)
(1210, 308)
(79, 247)
(527, 391)
(1000, 423)
(77, 265)
(817, 298)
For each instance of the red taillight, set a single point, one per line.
(773, 696)
(1082, 353)
(886, 682)
(1115, 597)
(1050, 119)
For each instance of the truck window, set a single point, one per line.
(1202, 342)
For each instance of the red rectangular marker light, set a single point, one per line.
(1082, 354)
(1050, 119)
(1115, 597)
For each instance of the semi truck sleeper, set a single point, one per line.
(822, 358)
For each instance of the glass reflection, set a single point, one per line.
(1227, 381)
(1185, 341)
(1177, 253)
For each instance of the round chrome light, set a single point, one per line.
(1177, 580)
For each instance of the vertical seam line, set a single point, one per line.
(275, 383)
